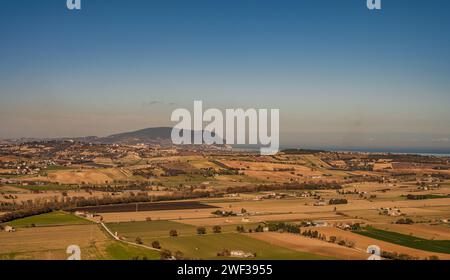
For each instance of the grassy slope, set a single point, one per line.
(438, 246)
(49, 219)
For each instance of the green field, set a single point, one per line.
(203, 246)
(438, 246)
(207, 247)
(122, 251)
(148, 231)
(429, 196)
(48, 219)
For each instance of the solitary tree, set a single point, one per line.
(201, 230)
(240, 229)
(173, 232)
(217, 229)
(156, 245)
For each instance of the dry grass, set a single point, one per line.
(51, 242)
(95, 176)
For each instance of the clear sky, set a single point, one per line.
(341, 75)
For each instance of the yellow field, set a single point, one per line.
(97, 176)
(51, 242)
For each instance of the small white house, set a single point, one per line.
(9, 229)
(84, 214)
(241, 254)
(80, 213)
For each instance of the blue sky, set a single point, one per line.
(340, 74)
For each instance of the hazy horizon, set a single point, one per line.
(341, 75)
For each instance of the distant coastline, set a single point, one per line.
(391, 150)
(424, 152)
(157, 134)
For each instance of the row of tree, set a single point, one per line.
(7, 217)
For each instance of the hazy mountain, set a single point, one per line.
(155, 135)
(147, 135)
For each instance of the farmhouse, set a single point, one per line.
(343, 226)
(241, 254)
(9, 229)
(84, 214)
(393, 212)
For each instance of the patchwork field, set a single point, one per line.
(205, 246)
(50, 243)
(401, 201)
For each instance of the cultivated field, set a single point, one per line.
(203, 246)
(362, 242)
(313, 246)
(50, 243)
(144, 207)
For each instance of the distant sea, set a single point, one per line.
(393, 150)
(423, 152)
